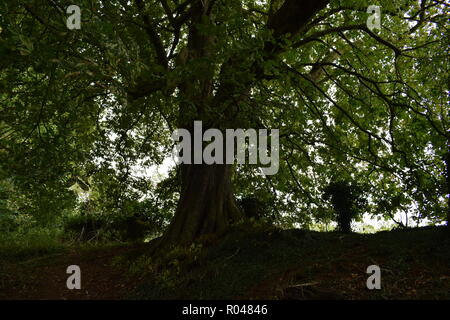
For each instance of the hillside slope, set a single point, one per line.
(247, 263)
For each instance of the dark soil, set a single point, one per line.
(247, 263)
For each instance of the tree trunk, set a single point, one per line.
(207, 204)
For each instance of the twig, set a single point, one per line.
(308, 284)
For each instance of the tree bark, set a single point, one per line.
(207, 204)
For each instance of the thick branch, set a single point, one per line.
(294, 15)
(291, 19)
(153, 35)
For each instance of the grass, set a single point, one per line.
(266, 263)
(35, 242)
(249, 262)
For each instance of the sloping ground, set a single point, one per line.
(247, 263)
(45, 277)
(295, 264)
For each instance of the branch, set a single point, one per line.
(167, 11)
(294, 15)
(39, 18)
(291, 19)
(396, 50)
(322, 33)
(144, 88)
(299, 186)
(153, 35)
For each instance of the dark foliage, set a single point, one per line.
(96, 227)
(253, 207)
(348, 202)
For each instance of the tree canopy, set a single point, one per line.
(352, 103)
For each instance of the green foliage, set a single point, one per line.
(30, 241)
(104, 228)
(97, 103)
(255, 208)
(348, 202)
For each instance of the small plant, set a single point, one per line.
(143, 265)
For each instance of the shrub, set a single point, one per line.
(98, 227)
(347, 202)
(255, 208)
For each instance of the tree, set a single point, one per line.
(348, 202)
(343, 95)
